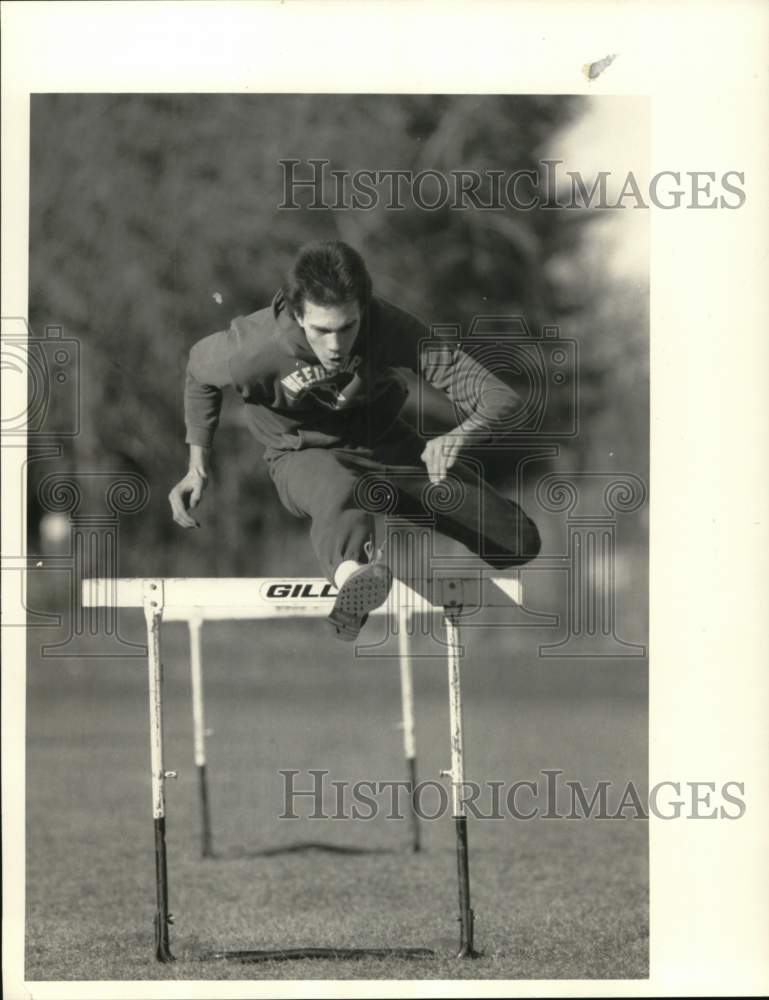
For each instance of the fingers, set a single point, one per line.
(439, 467)
(180, 515)
(432, 456)
(184, 520)
(428, 456)
(439, 455)
(452, 452)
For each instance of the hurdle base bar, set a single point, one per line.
(337, 954)
(162, 917)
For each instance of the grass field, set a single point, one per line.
(553, 898)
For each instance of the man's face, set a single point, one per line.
(330, 331)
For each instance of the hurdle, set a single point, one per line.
(196, 599)
(300, 589)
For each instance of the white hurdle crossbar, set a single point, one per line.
(196, 600)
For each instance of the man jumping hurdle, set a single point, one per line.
(318, 373)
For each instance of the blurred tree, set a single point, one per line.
(154, 221)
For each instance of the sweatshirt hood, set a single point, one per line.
(289, 333)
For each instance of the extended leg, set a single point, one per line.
(471, 511)
(153, 611)
(199, 727)
(464, 505)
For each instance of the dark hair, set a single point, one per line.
(328, 273)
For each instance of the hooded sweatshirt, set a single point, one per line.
(292, 402)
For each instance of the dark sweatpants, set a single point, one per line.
(342, 490)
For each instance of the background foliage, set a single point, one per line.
(144, 207)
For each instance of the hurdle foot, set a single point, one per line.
(162, 946)
(466, 916)
(206, 843)
(163, 918)
(466, 949)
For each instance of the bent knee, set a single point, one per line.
(532, 540)
(524, 546)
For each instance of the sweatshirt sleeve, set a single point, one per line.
(208, 373)
(476, 392)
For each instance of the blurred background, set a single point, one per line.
(154, 221)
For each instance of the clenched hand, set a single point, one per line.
(185, 496)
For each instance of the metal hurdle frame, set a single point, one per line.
(265, 597)
(195, 618)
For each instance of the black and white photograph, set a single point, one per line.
(330, 558)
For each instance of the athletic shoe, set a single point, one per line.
(363, 590)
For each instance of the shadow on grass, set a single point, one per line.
(338, 954)
(301, 847)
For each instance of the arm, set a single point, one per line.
(481, 402)
(207, 375)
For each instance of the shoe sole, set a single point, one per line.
(360, 594)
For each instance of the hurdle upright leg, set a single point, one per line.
(409, 728)
(199, 728)
(457, 774)
(153, 613)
